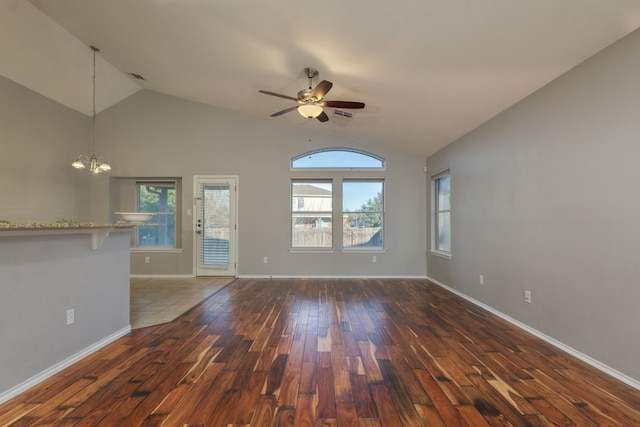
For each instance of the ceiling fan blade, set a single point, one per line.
(323, 117)
(344, 104)
(321, 89)
(286, 110)
(266, 92)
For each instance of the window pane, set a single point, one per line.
(216, 200)
(442, 214)
(443, 193)
(444, 232)
(362, 196)
(159, 198)
(362, 231)
(311, 196)
(363, 214)
(311, 214)
(311, 232)
(335, 159)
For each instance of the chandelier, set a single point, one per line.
(96, 164)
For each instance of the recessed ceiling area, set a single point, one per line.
(429, 71)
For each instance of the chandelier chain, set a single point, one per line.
(93, 117)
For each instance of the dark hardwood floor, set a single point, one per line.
(329, 353)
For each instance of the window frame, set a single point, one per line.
(435, 214)
(337, 175)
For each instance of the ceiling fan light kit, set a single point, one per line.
(310, 111)
(311, 104)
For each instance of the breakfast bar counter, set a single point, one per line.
(64, 293)
(97, 231)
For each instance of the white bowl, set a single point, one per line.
(135, 216)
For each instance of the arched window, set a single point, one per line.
(337, 158)
(358, 222)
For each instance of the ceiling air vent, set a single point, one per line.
(137, 76)
(342, 113)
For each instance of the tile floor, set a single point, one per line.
(160, 300)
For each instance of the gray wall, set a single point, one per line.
(44, 275)
(39, 139)
(543, 199)
(154, 135)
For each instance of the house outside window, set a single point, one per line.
(312, 214)
(441, 220)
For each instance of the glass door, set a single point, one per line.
(215, 226)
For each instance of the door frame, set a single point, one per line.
(235, 179)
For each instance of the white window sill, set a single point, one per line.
(158, 249)
(444, 255)
(364, 251)
(311, 251)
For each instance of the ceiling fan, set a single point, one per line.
(310, 101)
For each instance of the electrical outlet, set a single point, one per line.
(527, 297)
(374, 259)
(481, 279)
(71, 316)
(265, 260)
(146, 260)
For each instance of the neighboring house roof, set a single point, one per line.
(309, 190)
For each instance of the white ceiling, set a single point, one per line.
(429, 71)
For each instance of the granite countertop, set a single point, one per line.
(98, 231)
(59, 225)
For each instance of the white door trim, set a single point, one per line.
(235, 179)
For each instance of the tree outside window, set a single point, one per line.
(159, 197)
(363, 214)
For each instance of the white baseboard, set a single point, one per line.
(253, 276)
(161, 276)
(49, 372)
(572, 351)
(275, 276)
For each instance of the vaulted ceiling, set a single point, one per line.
(429, 71)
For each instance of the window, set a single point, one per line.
(352, 220)
(157, 197)
(337, 158)
(441, 227)
(311, 214)
(362, 214)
